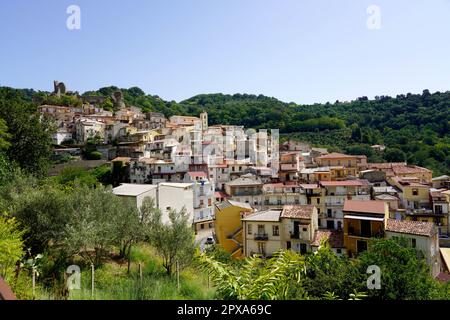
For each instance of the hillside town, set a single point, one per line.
(250, 193)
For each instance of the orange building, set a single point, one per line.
(363, 219)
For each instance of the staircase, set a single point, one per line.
(237, 251)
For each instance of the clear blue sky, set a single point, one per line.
(296, 50)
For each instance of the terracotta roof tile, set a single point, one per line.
(334, 237)
(411, 227)
(336, 155)
(365, 206)
(297, 211)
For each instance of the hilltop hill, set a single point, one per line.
(414, 127)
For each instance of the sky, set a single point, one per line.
(302, 51)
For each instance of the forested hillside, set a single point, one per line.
(414, 127)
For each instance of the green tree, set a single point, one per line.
(256, 278)
(4, 136)
(173, 241)
(30, 134)
(11, 245)
(404, 274)
(327, 272)
(394, 155)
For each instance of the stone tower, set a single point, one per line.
(204, 119)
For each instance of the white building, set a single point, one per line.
(203, 196)
(86, 128)
(136, 192)
(422, 236)
(176, 196)
(262, 233)
(61, 135)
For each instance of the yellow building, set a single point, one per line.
(413, 195)
(228, 225)
(345, 161)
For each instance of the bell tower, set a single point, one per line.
(204, 119)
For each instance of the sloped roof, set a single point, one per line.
(364, 206)
(344, 183)
(228, 203)
(419, 228)
(335, 155)
(297, 211)
(334, 237)
(267, 215)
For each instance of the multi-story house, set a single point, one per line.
(203, 197)
(86, 128)
(349, 163)
(176, 196)
(219, 175)
(299, 225)
(247, 188)
(262, 233)
(279, 194)
(290, 165)
(401, 170)
(422, 236)
(228, 225)
(183, 120)
(440, 208)
(151, 170)
(363, 219)
(335, 194)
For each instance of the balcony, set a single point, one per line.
(261, 236)
(295, 235)
(353, 233)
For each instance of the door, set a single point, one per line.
(361, 245)
(303, 248)
(288, 245)
(365, 228)
(262, 248)
(296, 226)
(330, 224)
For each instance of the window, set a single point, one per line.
(415, 192)
(261, 229)
(168, 208)
(329, 213)
(338, 250)
(275, 230)
(305, 229)
(209, 202)
(249, 229)
(413, 243)
(201, 202)
(318, 200)
(202, 226)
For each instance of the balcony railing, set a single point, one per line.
(354, 233)
(261, 236)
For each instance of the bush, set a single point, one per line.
(94, 155)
